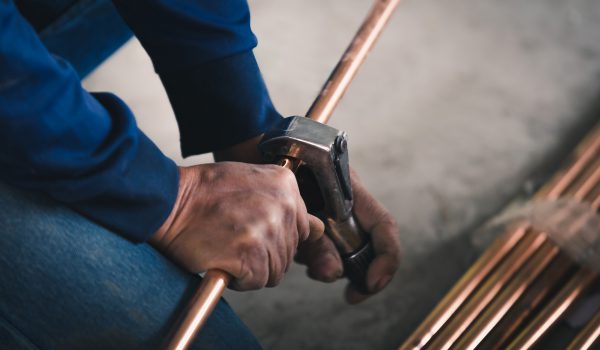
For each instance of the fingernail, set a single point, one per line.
(383, 281)
(340, 270)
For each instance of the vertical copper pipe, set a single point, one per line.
(214, 282)
(339, 80)
(507, 297)
(464, 288)
(489, 290)
(554, 310)
(588, 336)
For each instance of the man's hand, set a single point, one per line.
(324, 263)
(320, 256)
(244, 219)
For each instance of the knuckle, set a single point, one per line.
(258, 282)
(390, 221)
(387, 220)
(275, 279)
(287, 176)
(251, 242)
(288, 203)
(252, 273)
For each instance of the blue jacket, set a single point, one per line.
(84, 149)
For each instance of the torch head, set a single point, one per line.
(323, 176)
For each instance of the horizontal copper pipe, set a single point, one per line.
(508, 297)
(588, 336)
(545, 284)
(554, 310)
(488, 291)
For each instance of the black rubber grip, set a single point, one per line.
(356, 266)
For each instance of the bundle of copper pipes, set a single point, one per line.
(524, 283)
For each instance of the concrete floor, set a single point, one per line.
(463, 106)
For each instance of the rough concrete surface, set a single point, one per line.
(462, 106)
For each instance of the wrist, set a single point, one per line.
(166, 233)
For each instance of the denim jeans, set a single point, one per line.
(66, 283)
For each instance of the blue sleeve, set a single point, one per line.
(82, 149)
(202, 50)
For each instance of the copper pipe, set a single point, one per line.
(488, 291)
(464, 288)
(582, 190)
(554, 310)
(560, 304)
(588, 177)
(545, 284)
(589, 182)
(507, 297)
(199, 308)
(559, 184)
(214, 282)
(339, 80)
(596, 202)
(583, 154)
(588, 336)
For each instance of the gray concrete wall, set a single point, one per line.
(463, 105)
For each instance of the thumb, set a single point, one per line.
(316, 228)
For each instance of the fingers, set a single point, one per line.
(353, 296)
(316, 228)
(305, 223)
(321, 258)
(380, 274)
(253, 271)
(376, 220)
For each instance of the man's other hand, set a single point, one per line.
(242, 218)
(323, 261)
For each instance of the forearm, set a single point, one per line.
(202, 51)
(83, 149)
